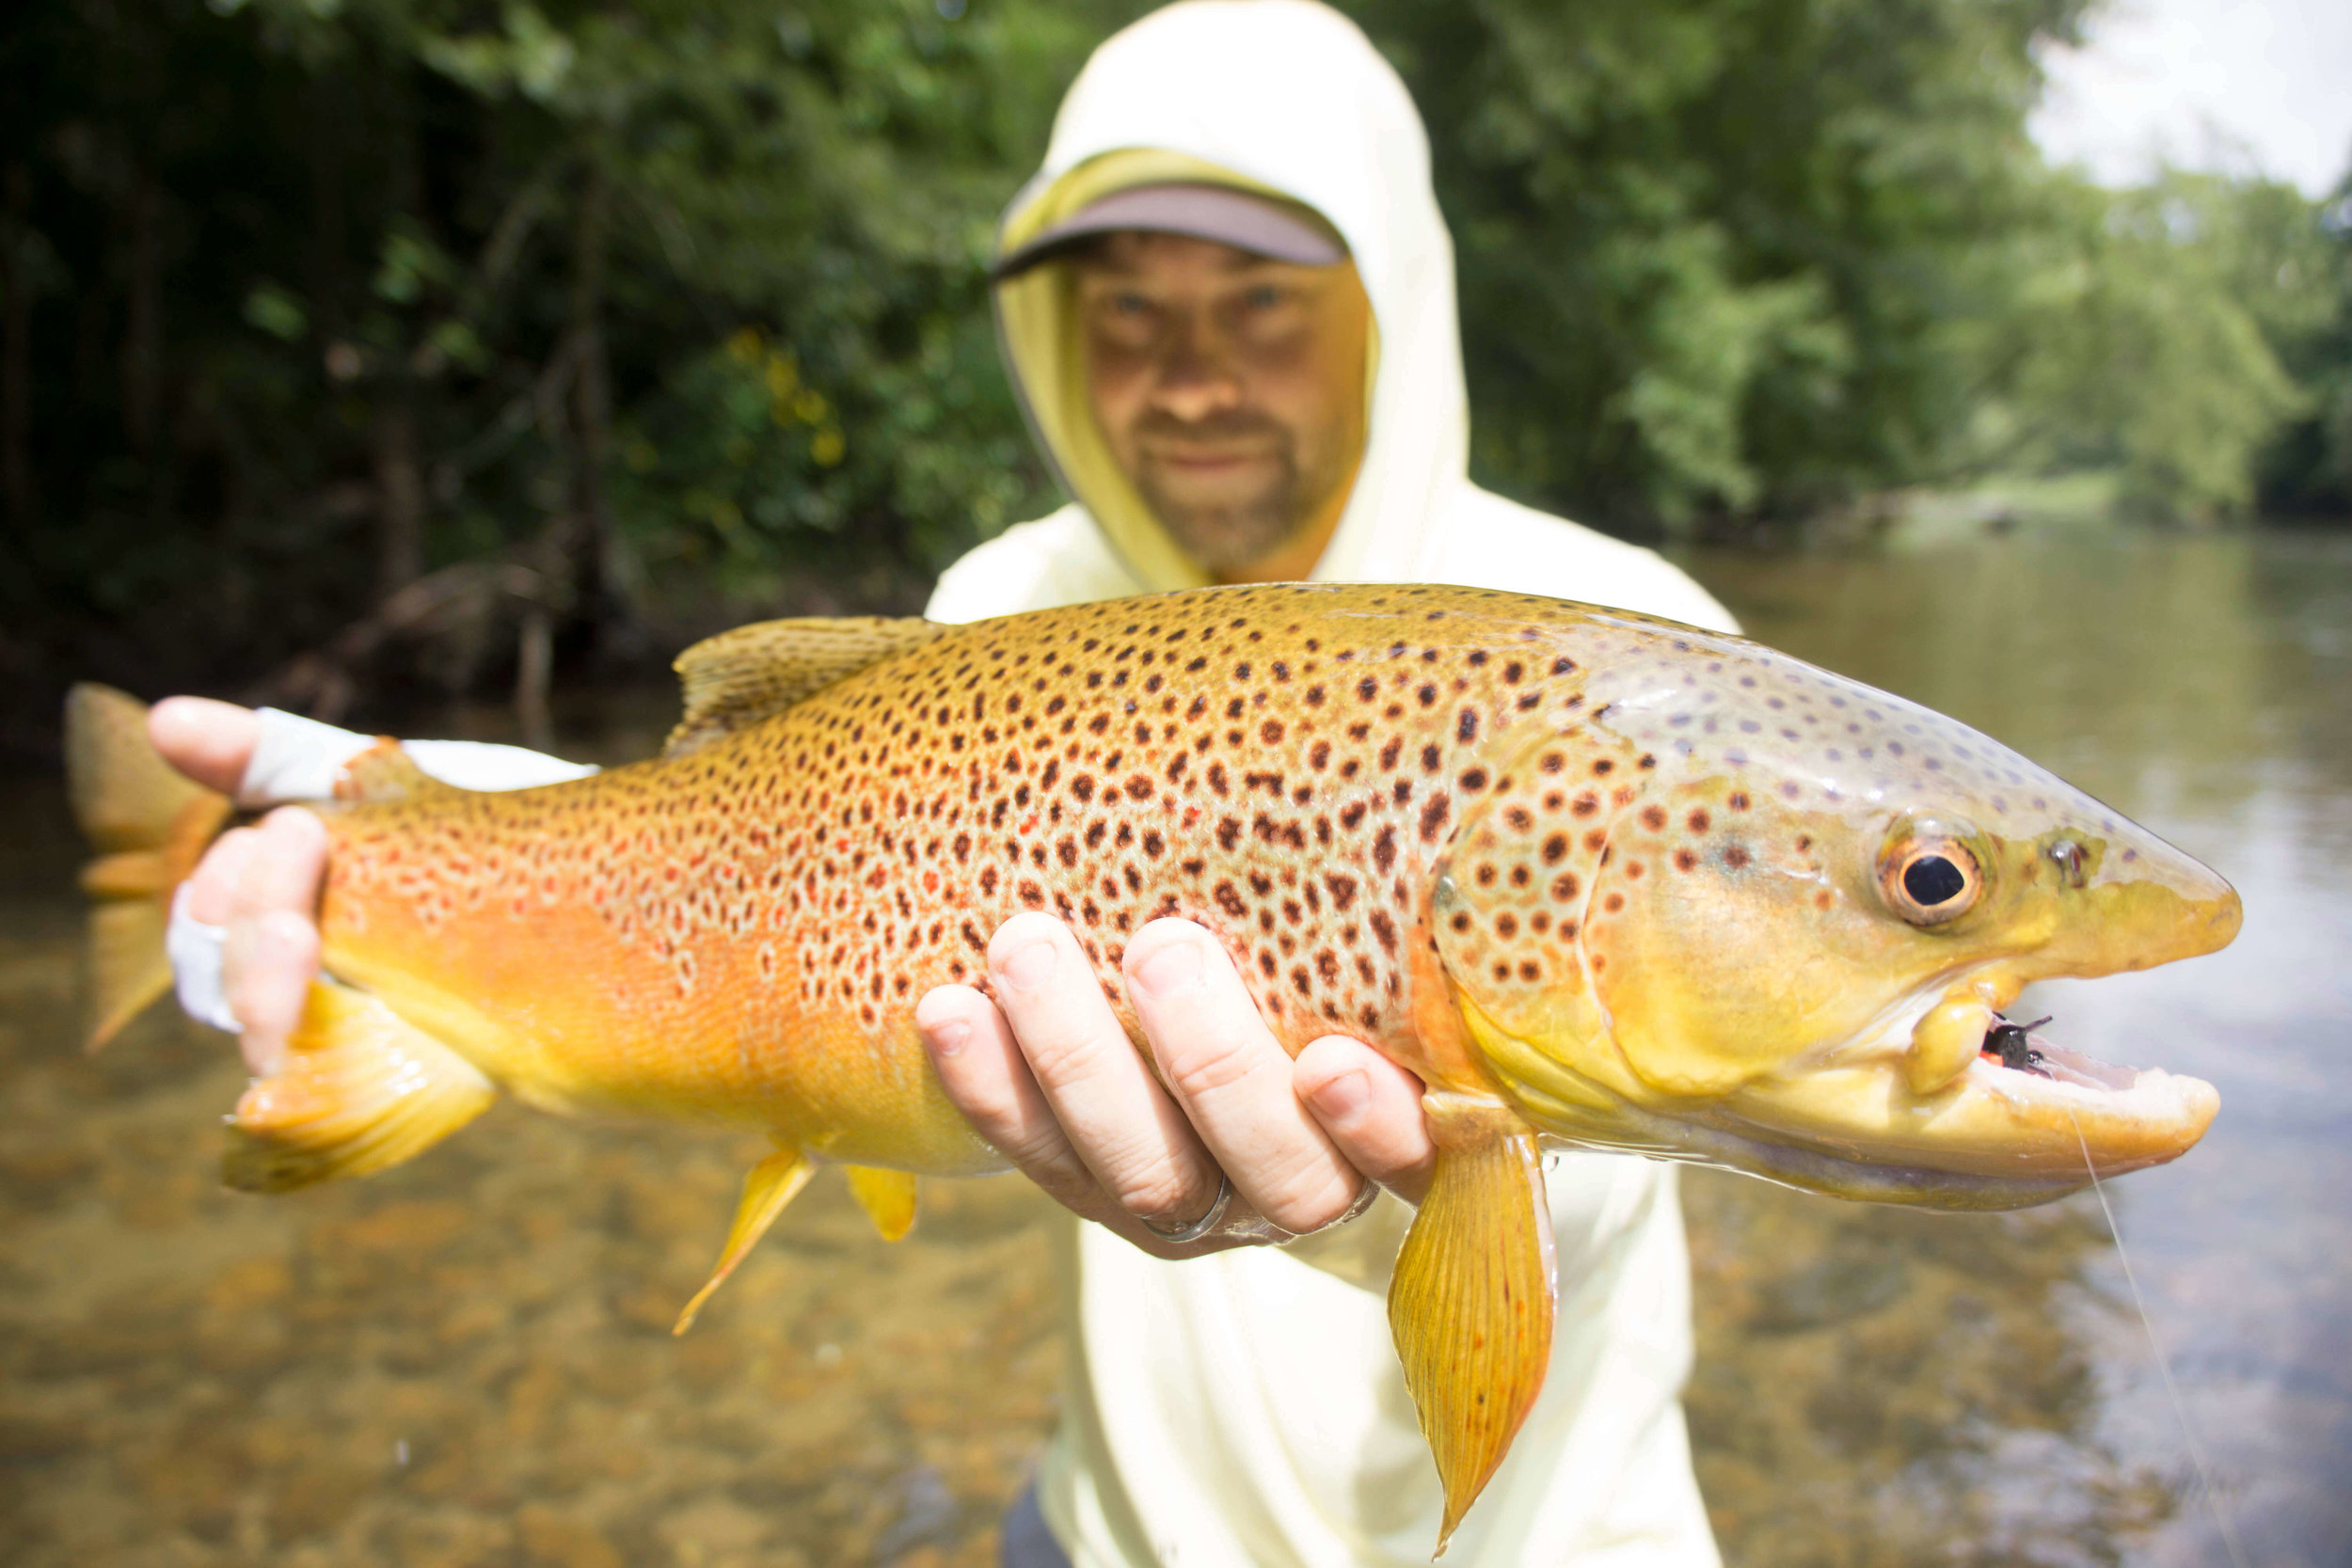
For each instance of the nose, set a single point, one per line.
(1196, 379)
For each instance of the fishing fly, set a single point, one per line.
(2013, 1044)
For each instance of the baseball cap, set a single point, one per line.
(1264, 225)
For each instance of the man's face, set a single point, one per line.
(1230, 390)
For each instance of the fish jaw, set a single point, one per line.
(1849, 1126)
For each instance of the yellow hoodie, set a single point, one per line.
(1286, 98)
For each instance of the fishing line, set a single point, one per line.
(2179, 1410)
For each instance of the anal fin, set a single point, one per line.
(887, 1196)
(1473, 1296)
(772, 1183)
(360, 1089)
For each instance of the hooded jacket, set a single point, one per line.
(1288, 98)
(1246, 1409)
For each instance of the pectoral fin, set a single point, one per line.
(1471, 1300)
(887, 1196)
(772, 1183)
(360, 1089)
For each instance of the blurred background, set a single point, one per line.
(446, 366)
(350, 346)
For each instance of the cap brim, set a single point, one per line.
(1259, 225)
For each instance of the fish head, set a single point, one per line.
(1739, 910)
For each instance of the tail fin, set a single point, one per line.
(149, 827)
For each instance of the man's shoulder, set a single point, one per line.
(1498, 543)
(1059, 559)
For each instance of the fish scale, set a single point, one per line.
(1592, 876)
(767, 910)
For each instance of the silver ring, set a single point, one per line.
(1356, 1211)
(1202, 1226)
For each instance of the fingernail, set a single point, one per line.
(1174, 966)
(1029, 965)
(1343, 1096)
(948, 1037)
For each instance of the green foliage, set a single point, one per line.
(2308, 471)
(349, 292)
(2148, 344)
(1728, 255)
(668, 307)
(1722, 258)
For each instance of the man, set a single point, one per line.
(1227, 302)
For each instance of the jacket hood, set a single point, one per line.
(1283, 98)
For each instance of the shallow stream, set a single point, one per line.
(467, 1361)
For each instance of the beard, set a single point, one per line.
(1219, 526)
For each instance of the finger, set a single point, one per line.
(213, 885)
(284, 869)
(268, 966)
(273, 947)
(1232, 1078)
(210, 742)
(1371, 1107)
(979, 1063)
(1126, 1130)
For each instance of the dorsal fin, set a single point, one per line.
(740, 677)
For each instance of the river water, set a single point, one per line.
(466, 1361)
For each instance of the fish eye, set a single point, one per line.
(1931, 880)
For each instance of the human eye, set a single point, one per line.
(1126, 318)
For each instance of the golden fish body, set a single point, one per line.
(1592, 876)
(1332, 780)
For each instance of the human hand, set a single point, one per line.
(1047, 1075)
(260, 883)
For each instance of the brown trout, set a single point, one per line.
(1593, 877)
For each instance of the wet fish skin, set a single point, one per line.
(1593, 876)
(738, 934)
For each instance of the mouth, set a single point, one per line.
(2016, 1048)
(2023, 1119)
(2020, 1120)
(1206, 461)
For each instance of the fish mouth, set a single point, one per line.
(2024, 1121)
